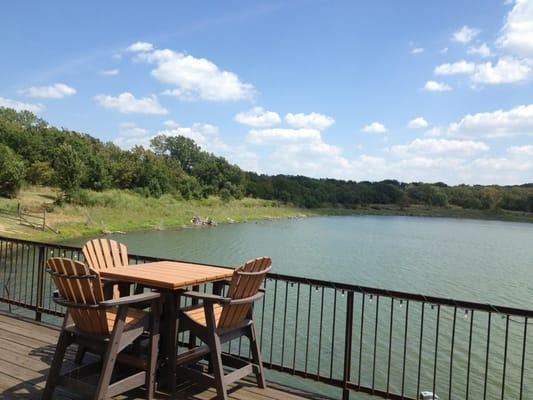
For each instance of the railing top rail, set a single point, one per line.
(398, 295)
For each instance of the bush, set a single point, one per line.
(12, 172)
(90, 198)
(40, 173)
(69, 170)
(225, 195)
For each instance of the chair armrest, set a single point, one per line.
(247, 300)
(133, 299)
(207, 297)
(58, 299)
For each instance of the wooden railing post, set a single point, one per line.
(348, 345)
(40, 282)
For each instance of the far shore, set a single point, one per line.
(122, 212)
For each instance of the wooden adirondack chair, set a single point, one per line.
(105, 253)
(101, 254)
(105, 327)
(220, 319)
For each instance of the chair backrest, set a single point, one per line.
(105, 253)
(78, 284)
(245, 282)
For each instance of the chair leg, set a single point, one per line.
(152, 357)
(55, 368)
(256, 357)
(218, 368)
(80, 354)
(111, 355)
(107, 371)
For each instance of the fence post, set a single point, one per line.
(40, 283)
(44, 219)
(348, 345)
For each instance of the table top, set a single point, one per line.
(169, 275)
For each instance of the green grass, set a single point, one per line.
(120, 210)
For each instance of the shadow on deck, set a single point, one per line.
(27, 348)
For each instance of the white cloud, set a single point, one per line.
(429, 160)
(315, 159)
(196, 78)
(443, 50)
(459, 67)
(417, 50)
(55, 91)
(374, 127)
(20, 106)
(430, 147)
(525, 151)
(506, 170)
(141, 47)
(506, 70)
(170, 123)
(205, 135)
(258, 117)
(131, 135)
(482, 50)
(517, 121)
(109, 72)
(434, 86)
(465, 34)
(517, 33)
(128, 103)
(313, 120)
(282, 135)
(418, 122)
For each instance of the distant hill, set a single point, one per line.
(33, 151)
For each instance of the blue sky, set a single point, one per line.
(355, 90)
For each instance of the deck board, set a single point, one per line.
(27, 348)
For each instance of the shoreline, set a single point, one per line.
(328, 212)
(131, 213)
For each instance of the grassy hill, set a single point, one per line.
(122, 210)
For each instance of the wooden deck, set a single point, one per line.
(27, 348)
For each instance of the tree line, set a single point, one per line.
(33, 152)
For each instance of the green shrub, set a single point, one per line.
(12, 172)
(40, 173)
(225, 195)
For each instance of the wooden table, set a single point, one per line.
(168, 277)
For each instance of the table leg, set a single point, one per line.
(217, 287)
(192, 337)
(124, 289)
(170, 339)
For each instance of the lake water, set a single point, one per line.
(483, 261)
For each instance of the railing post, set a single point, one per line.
(40, 283)
(348, 345)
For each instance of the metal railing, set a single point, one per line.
(347, 338)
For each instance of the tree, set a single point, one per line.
(489, 197)
(12, 172)
(40, 173)
(69, 169)
(181, 148)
